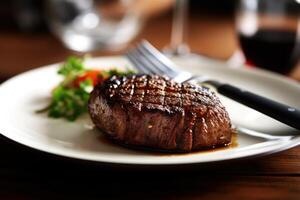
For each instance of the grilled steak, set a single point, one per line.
(155, 112)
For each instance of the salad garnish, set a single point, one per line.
(69, 99)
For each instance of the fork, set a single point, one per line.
(147, 59)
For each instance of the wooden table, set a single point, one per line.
(30, 174)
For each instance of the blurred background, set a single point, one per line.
(261, 33)
(258, 33)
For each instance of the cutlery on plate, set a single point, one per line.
(147, 59)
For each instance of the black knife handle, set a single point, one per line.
(281, 112)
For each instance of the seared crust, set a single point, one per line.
(153, 111)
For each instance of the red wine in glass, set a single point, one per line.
(270, 49)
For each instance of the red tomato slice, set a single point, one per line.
(93, 75)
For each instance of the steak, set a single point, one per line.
(158, 113)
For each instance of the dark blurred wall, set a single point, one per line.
(28, 15)
(218, 7)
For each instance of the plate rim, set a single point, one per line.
(3, 129)
(295, 141)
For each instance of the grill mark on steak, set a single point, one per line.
(164, 93)
(138, 95)
(181, 119)
(156, 112)
(145, 91)
(126, 89)
(188, 134)
(193, 129)
(160, 95)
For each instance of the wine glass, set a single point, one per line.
(268, 32)
(178, 47)
(85, 25)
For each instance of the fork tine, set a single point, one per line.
(161, 61)
(133, 61)
(156, 63)
(150, 62)
(144, 62)
(138, 63)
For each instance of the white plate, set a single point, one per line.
(22, 95)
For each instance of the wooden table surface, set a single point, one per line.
(30, 174)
